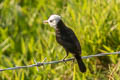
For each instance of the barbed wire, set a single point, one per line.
(37, 64)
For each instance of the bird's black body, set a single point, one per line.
(66, 37)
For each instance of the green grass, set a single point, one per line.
(24, 37)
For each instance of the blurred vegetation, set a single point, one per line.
(24, 37)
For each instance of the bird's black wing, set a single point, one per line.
(69, 41)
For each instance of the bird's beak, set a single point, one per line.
(46, 21)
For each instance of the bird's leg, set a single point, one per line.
(65, 56)
(73, 60)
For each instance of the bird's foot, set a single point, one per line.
(64, 60)
(73, 60)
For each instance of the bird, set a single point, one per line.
(67, 39)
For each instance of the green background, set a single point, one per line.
(24, 37)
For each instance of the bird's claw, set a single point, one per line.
(73, 60)
(64, 60)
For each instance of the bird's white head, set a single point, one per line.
(53, 20)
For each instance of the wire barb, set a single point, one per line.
(55, 62)
(36, 64)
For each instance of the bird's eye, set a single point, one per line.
(51, 20)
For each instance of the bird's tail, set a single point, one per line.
(80, 63)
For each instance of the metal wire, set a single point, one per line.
(55, 62)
